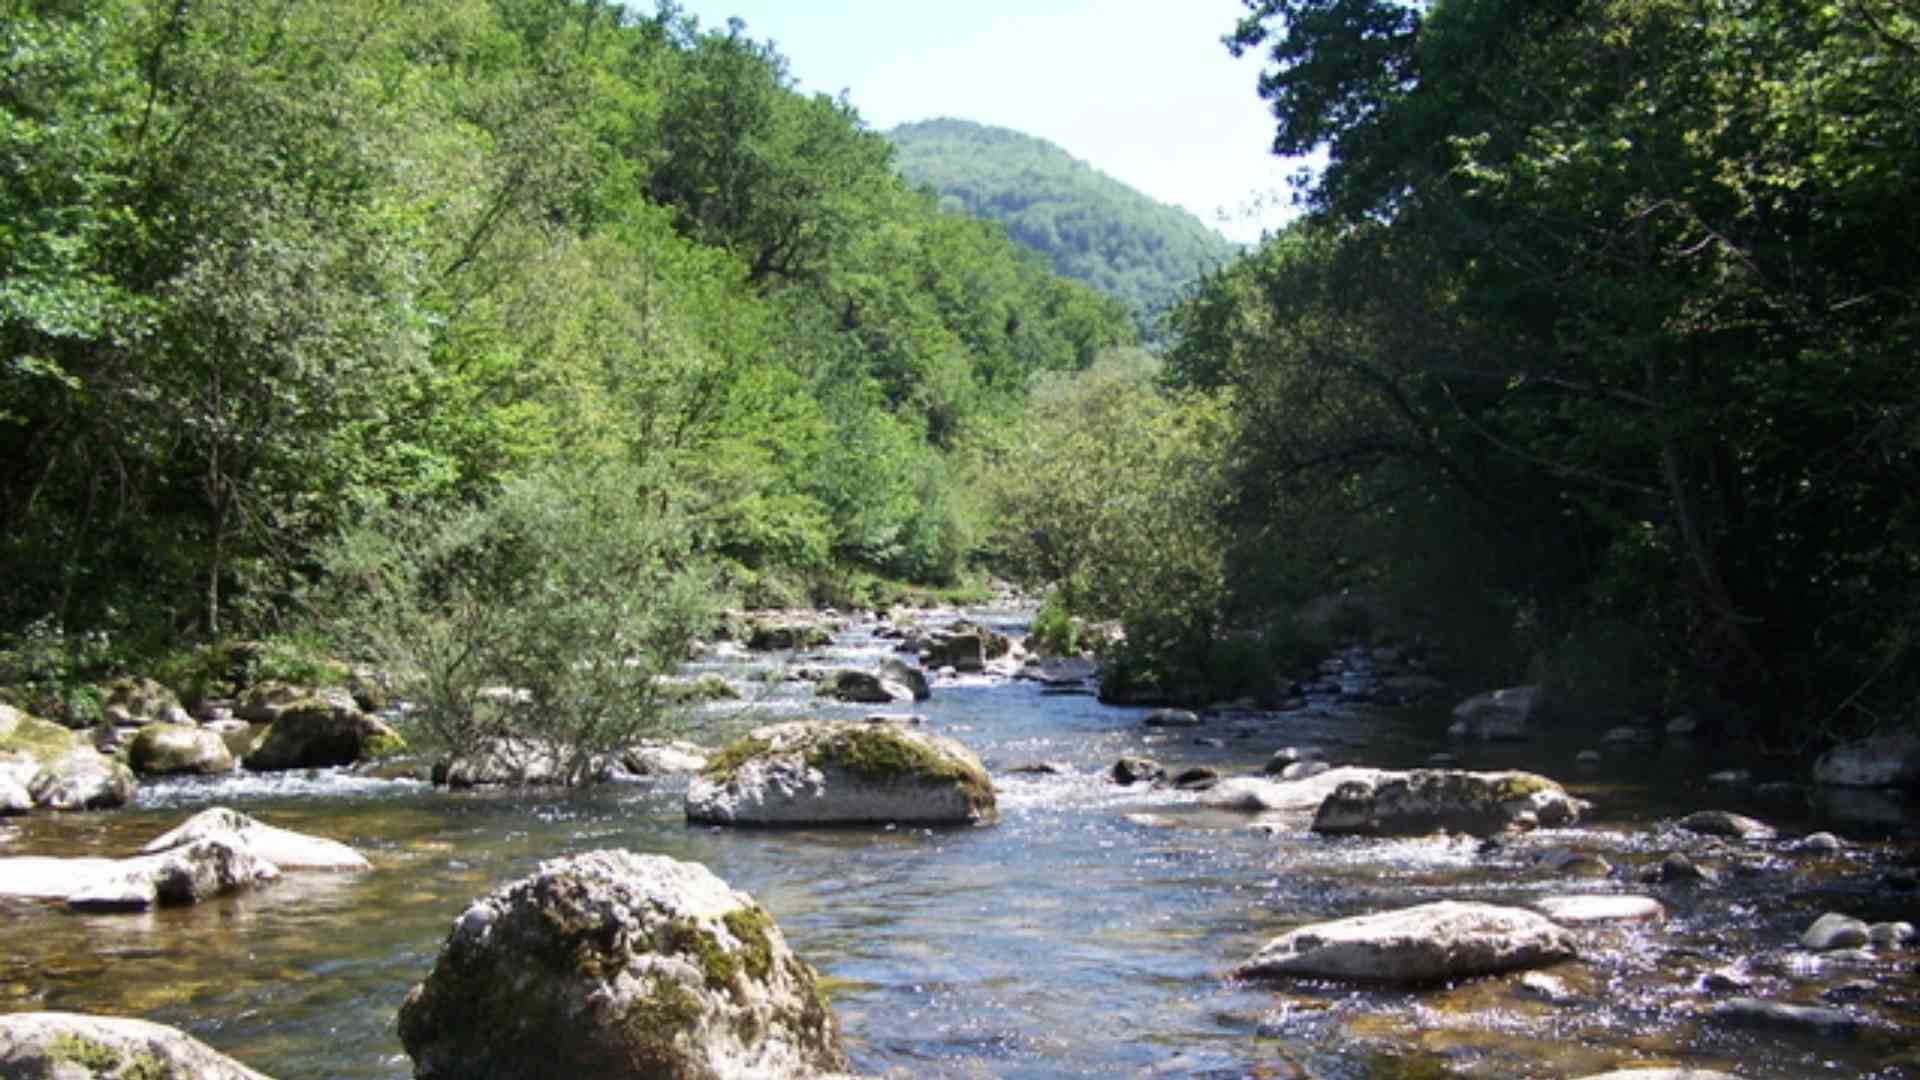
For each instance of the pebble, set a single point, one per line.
(1722, 823)
(1538, 984)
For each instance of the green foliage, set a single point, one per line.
(1092, 228)
(549, 615)
(1611, 371)
(265, 270)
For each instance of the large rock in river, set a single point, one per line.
(1424, 944)
(284, 848)
(173, 749)
(44, 764)
(862, 687)
(186, 874)
(316, 733)
(615, 965)
(71, 1046)
(823, 772)
(1427, 800)
(1889, 760)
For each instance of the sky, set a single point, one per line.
(1142, 90)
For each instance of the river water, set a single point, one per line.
(1087, 933)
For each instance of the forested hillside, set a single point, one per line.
(1094, 228)
(275, 274)
(1591, 364)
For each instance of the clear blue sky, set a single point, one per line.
(1140, 89)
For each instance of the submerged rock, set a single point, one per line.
(1777, 1016)
(1256, 795)
(71, 1046)
(1426, 800)
(820, 772)
(1429, 943)
(1172, 718)
(284, 848)
(1722, 823)
(619, 966)
(1137, 770)
(1500, 714)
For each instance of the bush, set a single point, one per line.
(549, 615)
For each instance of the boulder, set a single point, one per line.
(619, 966)
(965, 653)
(895, 670)
(1137, 770)
(284, 848)
(1426, 800)
(1424, 944)
(1500, 714)
(861, 687)
(1835, 931)
(263, 703)
(1722, 823)
(511, 762)
(1172, 718)
(663, 758)
(82, 779)
(696, 691)
(71, 1046)
(140, 699)
(1589, 909)
(786, 636)
(315, 733)
(821, 772)
(171, 749)
(1888, 760)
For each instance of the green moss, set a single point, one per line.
(89, 1055)
(719, 965)
(752, 927)
(1521, 785)
(653, 1021)
(723, 766)
(385, 744)
(38, 739)
(877, 753)
(147, 1067)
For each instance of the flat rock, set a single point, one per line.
(1255, 795)
(71, 1046)
(1775, 1015)
(1586, 910)
(184, 875)
(82, 779)
(821, 772)
(1661, 1074)
(1425, 944)
(284, 848)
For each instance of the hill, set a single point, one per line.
(1094, 228)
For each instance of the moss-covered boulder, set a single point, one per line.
(55, 768)
(175, 749)
(696, 691)
(618, 966)
(821, 772)
(72, 1046)
(136, 700)
(316, 733)
(786, 635)
(1450, 800)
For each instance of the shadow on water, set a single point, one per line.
(1086, 934)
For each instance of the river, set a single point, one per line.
(1085, 934)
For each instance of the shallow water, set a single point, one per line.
(1087, 933)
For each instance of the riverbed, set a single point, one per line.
(1087, 933)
